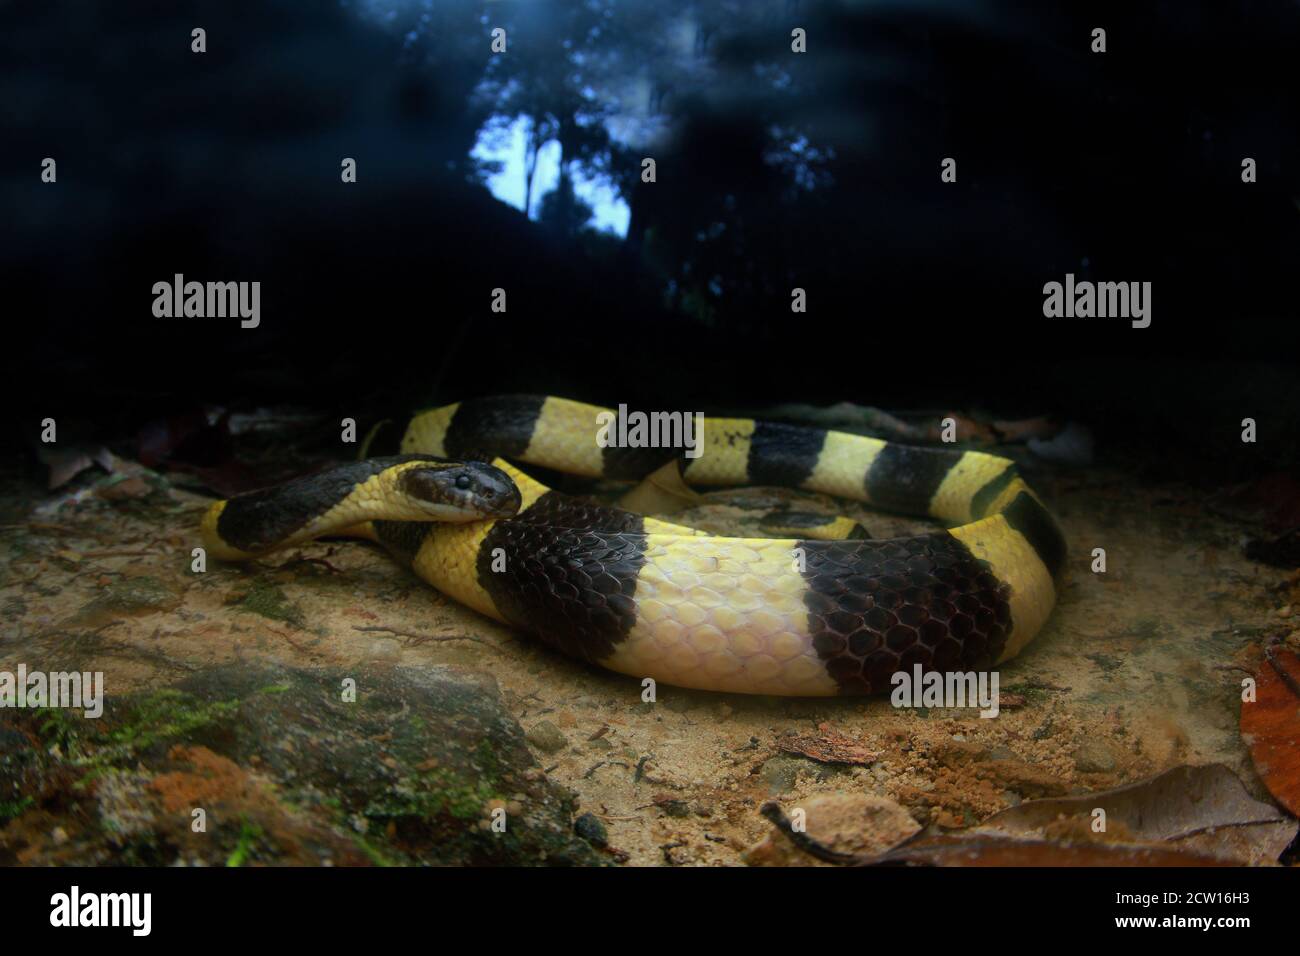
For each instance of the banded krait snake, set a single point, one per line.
(652, 599)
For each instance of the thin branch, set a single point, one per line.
(418, 639)
(772, 811)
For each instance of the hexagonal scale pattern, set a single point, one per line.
(570, 573)
(877, 607)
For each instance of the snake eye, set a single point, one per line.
(462, 482)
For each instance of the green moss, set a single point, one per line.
(159, 716)
(93, 775)
(269, 601)
(487, 760)
(69, 730)
(376, 855)
(165, 714)
(338, 818)
(249, 834)
(11, 809)
(433, 794)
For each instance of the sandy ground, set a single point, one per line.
(1134, 673)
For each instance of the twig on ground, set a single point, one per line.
(802, 840)
(418, 639)
(290, 641)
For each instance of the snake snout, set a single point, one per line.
(494, 490)
(462, 491)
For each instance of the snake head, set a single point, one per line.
(462, 491)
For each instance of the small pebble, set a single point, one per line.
(1094, 757)
(780, 774)
(589, 827)
(546, 736)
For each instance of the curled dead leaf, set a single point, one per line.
(1187, 816)
(1203, 808)
(65, 463)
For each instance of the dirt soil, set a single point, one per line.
(1137, 671)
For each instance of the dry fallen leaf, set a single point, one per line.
(1206, 808)
(65, 463)
(974, 850)
(828, 746)
(1270, 726)
(1187, 816)
(966, 428)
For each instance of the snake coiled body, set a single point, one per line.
(648, 598)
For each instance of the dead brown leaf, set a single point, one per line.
(967, 429)
(65, 463)
(828, 746)
(1270, 726)
(1206, 807)
(973, 850)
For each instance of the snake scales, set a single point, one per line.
(649, 598)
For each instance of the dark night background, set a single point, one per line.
(775, 170)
